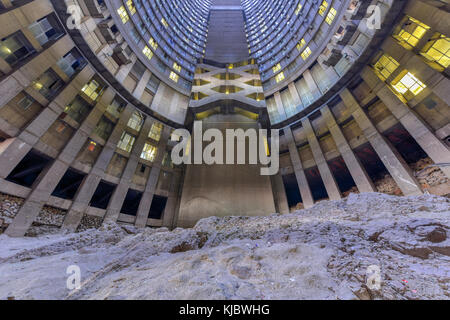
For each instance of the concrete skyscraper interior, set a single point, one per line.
(94, 93)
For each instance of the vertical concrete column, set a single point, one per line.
(312, 85)
(357, 171)
(13, 150)
(279, 104)
(325, 172)
(433, 146)
(173, 203)
(139, 91)
(91, 182)
(279, 191)
(118, 197)
(294, 93)
(302, 182)
(392, 160)
(44, 188)
(150, 188)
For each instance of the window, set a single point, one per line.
(276, 68)
(306, 53)
(92, 90)
(153, 43)
(279, 77)
(323, 8)
(176, 67)
(301, 44)
(173, 76)
(147, 52)
(408, 83)
(156, 131)
(149, 152)
(411, 32)
(126, 142)
(438, 50)
(131, 7)
(331, 15)
(123, 14)
(49, 84)
(136, 121)
(15, 48)
(385, 66)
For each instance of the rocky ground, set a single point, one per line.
(326, 252)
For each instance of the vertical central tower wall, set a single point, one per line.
(225, 190)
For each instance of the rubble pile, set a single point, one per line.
(327, 252)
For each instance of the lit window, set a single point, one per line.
(301, 44)
(305, 54)
(153, 43)
(411, 32)
(438, 50)
(147, 52)
(123, 14)
(385, 66)
(149, 152)
(156, 131)
(92, 89)
(136, 121)
(173, 76)
(279, 77)
(299, 7)
(331, 15)
(276, 68)
(409, 83)
(164, 22)
(126, 142)
(92, 146)
(131, 7)
(323, 7)
(176, 67)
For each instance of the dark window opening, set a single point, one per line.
(157, 208)
(318, 190)
(69, 184)
(292, 190)
(102, 195)
(342, 175)
(29, 169)
(131, 204)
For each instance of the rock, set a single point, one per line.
(241, 272)
(437, 235)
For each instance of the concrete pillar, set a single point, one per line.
(322, 164)
(91, 182)
(118, 197)
(357, 171)
(294, 93)
(281, 202)
(392, 160)
(150, 188)
(139, 91)
(170, 216)
(44, 188)
(416, 127)
(13, 150)
(302, 182)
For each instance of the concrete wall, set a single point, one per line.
(225, 190)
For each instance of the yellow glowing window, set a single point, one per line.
(409, 83)
(411, 32)
(299, 7)
(305, 54)
(385, 66)
(331, 15)
(153, 43)
(164, 22)
(149, 152)
(92, 146)
(176, 67)
(123, 14)
(438, 50)
(279, 77)
(91, 89)
(156, 131)
(301, 44)
(173, 76)
(126, 142)
(147, 52)
(323, 7)
(131, 7)
(276, 68)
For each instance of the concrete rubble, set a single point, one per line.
(324, 252)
